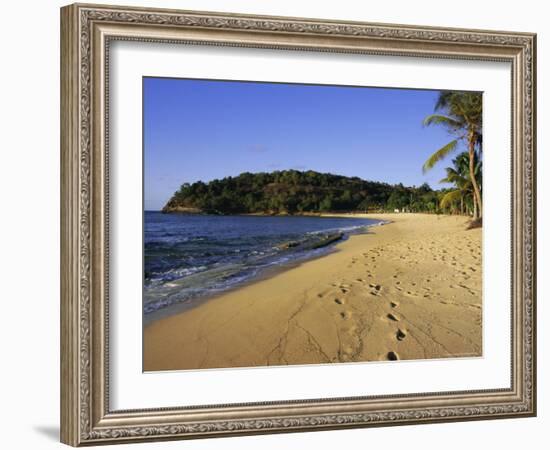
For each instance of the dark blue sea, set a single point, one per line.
(190, 257)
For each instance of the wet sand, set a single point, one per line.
(410, 289)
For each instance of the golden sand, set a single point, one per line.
(410, 289)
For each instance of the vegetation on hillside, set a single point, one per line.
(296, 192)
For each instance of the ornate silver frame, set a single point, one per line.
(86, 31)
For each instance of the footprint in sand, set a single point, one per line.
(401, 334)
(345, 315)
(376, 287)
(394, 304)
(412, 293)
(338, 301)
(392, 356)
(393, 317)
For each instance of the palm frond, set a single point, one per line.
(437, 119)
(452, 175)
(443, 100)
(439, 155)
(449, 198)
(450, 178)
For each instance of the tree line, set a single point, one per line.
(296, 192)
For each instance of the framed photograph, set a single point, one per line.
(275, 224)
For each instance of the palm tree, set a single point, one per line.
(459, 176)
(461, 115)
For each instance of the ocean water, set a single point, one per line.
(190, 257)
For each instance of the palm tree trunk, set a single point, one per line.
(477, 193)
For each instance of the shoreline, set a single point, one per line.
(405, 290)
(264, 273)
(343, 214)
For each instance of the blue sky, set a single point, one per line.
(203, 129)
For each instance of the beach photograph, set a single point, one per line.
(292, 224)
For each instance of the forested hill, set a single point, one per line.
(295, 192)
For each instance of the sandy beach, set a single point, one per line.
(410, 289)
